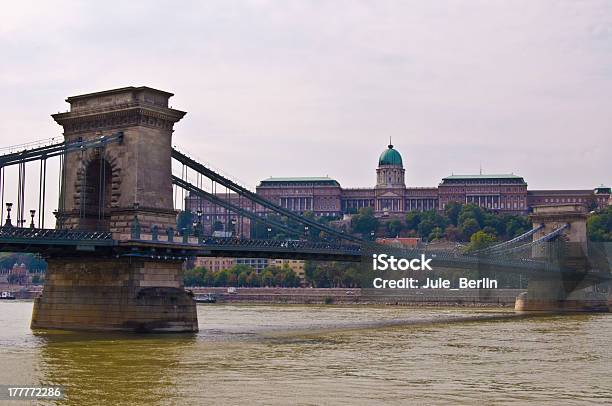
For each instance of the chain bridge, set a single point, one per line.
(115, 256)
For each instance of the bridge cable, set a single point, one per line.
(21, 195)
(258, 199)
(2, 181)
(41, 192)
(501, 246)
(60, 208)
(217, 201)
(53, 150)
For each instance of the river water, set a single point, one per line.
(293, 354)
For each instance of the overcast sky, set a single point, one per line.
(315, 88)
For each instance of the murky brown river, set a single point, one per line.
(254, 354)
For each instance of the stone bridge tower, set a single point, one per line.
(103, 188)
(569, 251)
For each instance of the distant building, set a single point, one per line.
(214, 264)
(323, 196)
(296, 265)
(257, 264)
(401, 242)
(500, 193)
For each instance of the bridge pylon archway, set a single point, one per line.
(141, 181)
(107, 189)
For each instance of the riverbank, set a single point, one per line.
(413, 297)
(425, 297)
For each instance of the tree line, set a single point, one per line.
(599, 226)
(242, 275)
(458, 222)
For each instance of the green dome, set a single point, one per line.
(390, 156)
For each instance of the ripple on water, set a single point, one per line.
(323, 354)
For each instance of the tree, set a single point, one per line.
(452, 233)
(221, 278)
(599, 226)
(470, 211)
(490, 230)
(425, 228)
(413, 218)
(469, 226)
(242, 279)
(195, 277)
(480, 240)
(394, 227)
(436, 234)
(267, 277)
(516, 225)
(364, 221)
(452, 210)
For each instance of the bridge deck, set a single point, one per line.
(51, 242)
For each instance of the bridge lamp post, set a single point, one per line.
(197, 225)
(269, 232)
(233, 222)
(8, 223)
(32, 214)
(372, 235)
(306, 232)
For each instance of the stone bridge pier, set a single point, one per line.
(111, 188)
(565, 291)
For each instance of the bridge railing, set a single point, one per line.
(235, 242)
(10, 233)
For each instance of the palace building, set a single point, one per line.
(390, 197)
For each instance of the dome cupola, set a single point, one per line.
(390, 157)
(390, 171)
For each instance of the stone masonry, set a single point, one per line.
(139, 167)
(107, 189)
(114, 294)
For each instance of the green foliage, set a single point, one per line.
(460, 221)
(452, 211)
(480, 240)
(364, 221)
(426, 222)
(332, 274)
(413, 218)
(452, 233)
(469, 226)
(516, 225)
(470, 212)
(599, 226)
(436, 234)
(242, 276)
(425, 228)
(394, 227)
(31, 261)
(194, 277)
